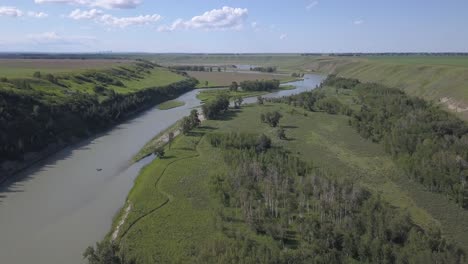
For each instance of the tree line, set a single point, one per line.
(269, 69)
(197, 68)
(305, 214)
(260, 85)
(430, 144)
(29, 122)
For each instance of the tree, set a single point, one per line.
(260, 100)
(106, 253)
(186, 125)
(219, 105)
(271, 118)
(219, 69)
(234, 87)
(37, 74)
(159, 152)
(281, 133)
(238, 101)
(170, 138)
(206, 83)
(194, 120)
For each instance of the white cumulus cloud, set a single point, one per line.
(37, 14)
(78, 14)
(10, 11)
(216, 19)
(100, 17)
(108, 4)
(129, 21)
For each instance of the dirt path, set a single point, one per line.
(122, 221)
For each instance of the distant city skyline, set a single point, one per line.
(233, 26)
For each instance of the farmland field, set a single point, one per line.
(26, 67)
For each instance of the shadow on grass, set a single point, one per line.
(289, 127)
(229, 115)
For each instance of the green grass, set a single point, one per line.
(172, 215)
(170, 104)
(430, 77)
(156, 77)
(459, 61)
(25, 68)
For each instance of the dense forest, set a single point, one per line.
(310, 214)
(31, 120)
(430, 144)
(260, 85)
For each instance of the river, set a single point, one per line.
(65, 203)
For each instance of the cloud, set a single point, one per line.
(312, 5)
(358, 22)
(77, 14)
(216, 19)
(108, 4)
(109, 20)
(37, 14)
(10, 11)
(129, 21)
(283, 36)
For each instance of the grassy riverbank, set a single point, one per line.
(43, 112)
(173, 214)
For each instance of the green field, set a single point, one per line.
(430, 77)
(74, 79)
(170, 104)
(459, 61)
(172, 209)
(22, 68)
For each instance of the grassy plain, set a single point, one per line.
(173, 211)
(70, 74)
(22, 68)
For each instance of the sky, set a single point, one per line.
(234, 26)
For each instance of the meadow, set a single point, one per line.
(20, 68)
(174, 209)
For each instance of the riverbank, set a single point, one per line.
(174, 215)
(8, 169)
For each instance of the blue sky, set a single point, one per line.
(234, 25)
